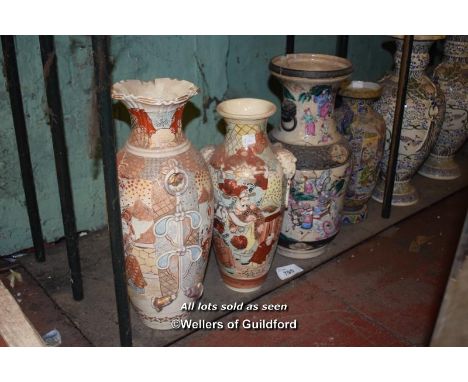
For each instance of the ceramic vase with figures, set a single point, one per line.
(452, 76)
(365, 130)
(422, 119)
(166, 200)
(250, 181)
(308, 130)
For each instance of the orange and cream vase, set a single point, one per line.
(166, 201)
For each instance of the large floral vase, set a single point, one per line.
(308, 130)
(166, 200)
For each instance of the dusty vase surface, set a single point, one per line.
(365, 130)
(250, 182)
(452, 76)
(166, 201)
(308, 130)
(422, 119)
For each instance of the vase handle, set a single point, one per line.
(288, 163)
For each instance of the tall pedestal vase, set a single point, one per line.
(166, 200)
(452, 77)
(308, 130)
(422, 120)
(365, 130)
(250, 181)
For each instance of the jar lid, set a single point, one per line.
(361, 89)
(310, 65)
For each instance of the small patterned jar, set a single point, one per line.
(365, 130)
(422, 120)
(452, 77)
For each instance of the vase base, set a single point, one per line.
(440, 168)
(354, 216)
(243, 286)
(404, 194)
(301, 253)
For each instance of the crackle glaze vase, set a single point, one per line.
(166, 201)
(308, 130)
(250, 180)
(422, 119)
(365, 130)
(452, 76)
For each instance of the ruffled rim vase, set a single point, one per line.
(166, 201)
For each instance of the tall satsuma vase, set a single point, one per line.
(308, 130)
(452, 77)
(365, 130)
(250, 181)
(422, 120)
(166, 201)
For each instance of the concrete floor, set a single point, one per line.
(383, 289)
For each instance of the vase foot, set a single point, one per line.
(440, 168)
(243, 286)
(354, 216)
(301, 253)
(404, 194)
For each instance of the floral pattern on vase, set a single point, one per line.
(365, 130)
(308, 130)
(166, 201)
(422, 119)
(452, 77)
(250, 180)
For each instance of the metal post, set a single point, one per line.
(49, 63)
(342, 46)
(103, 86)
(290, 44)
(22, 143)
(397, 123)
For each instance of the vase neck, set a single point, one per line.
(307, 113)
(456, 49)
(419, 57)
(157, 127)
(245, 134)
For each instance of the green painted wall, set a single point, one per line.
(222, 66)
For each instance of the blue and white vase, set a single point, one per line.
(452, 77)
(422, 119)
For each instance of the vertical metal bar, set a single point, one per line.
(22, 143)
(49, 63)
(342, 46)
(290, 44)
(103, 86)
(397, 123)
